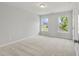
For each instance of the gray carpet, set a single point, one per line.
(40, 46)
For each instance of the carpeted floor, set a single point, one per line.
(40, 46)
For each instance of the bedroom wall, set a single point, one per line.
(16, 24)
(53, 25)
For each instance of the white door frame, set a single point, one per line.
(75, 27)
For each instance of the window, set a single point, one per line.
(44, 24)
(63, 24)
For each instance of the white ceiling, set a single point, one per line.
(52, 7)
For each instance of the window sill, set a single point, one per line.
(62, 32)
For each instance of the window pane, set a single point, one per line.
(44, 24)
(63, 23)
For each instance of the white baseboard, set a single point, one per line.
(12, 42)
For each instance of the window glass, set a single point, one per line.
(44, 24)
(63, 23)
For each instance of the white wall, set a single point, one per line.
(16, 24)
(53, 25)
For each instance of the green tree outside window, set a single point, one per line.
(63, 23)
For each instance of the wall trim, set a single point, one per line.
(13, 42)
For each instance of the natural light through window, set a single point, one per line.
(44, 24)
(63, 24)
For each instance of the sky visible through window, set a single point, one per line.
(44, 21)
(44, 24)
